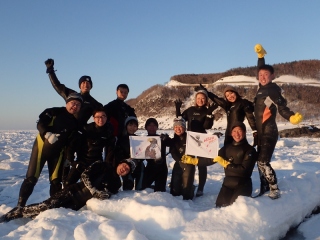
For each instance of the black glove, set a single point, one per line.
(178, 103)
(102, 195)
(218, 134)
(200, 87)
(211, 108)
(49, 64)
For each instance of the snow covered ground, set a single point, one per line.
(141, 215)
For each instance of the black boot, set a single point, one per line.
(25, 190)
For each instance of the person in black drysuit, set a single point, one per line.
(89, 103)
(238, 159)
(182, 174)
(100, 180)
(267, 102)
(89, 145)
(122, 152)
(85, 85)
(118, 110)
(156, 170)
(236, 108)
(57, 127)
(199, 118)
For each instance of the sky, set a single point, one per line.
(140, 215)
(140, 43)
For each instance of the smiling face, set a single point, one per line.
(132, 127)
(265, 77)
(238, 134)
(122, 93)
(85, 87)
(73, 106)
(201, 100)
(179, 130)
(123, 169)
(231, 96)
(100, 118)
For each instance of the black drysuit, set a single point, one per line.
(87, 107)
(236, 112)
(237, 181)
(157, 170)
(117, 112)
(267, 102)
(55, 120)
(182, 174)
(99, 177)
(198, 120)
(89, 146)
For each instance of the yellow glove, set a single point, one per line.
(189, 160)
(296, 119)
(221, 161)
(260, 50)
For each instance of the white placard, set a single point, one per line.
(145, 147)
(202, 144)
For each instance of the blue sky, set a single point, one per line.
(141, 43)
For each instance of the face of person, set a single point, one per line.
(85, 87)
(151, 128)
(73, 106)
(238, 134)
(100, 118)
(123, 169)
(201, 100)
(179, 130)
(132, 128)
(122, 93)
(231, 96)
(265, 77)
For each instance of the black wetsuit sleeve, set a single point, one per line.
(219, 101)
(61, 89)
(248, 108)
(45, 118)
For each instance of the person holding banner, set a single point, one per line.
(199, 118)
(182, 174)
(156, 170)
(122, 152)
(238, 159)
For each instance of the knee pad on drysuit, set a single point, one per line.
(26, 189)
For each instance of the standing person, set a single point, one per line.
(56, 128)
(199, 118)
(182, 174)
(267, 101)
(118, 110)
(122, 152)
(237, 109)
(89, 145)
(85, 85)
(156, 170)
(238, 159)
(99, 181)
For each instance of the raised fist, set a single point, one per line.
(178, 103)
(49, 64)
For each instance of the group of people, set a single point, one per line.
(98, 153)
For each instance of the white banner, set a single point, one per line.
(145, 147)
(202, 144)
